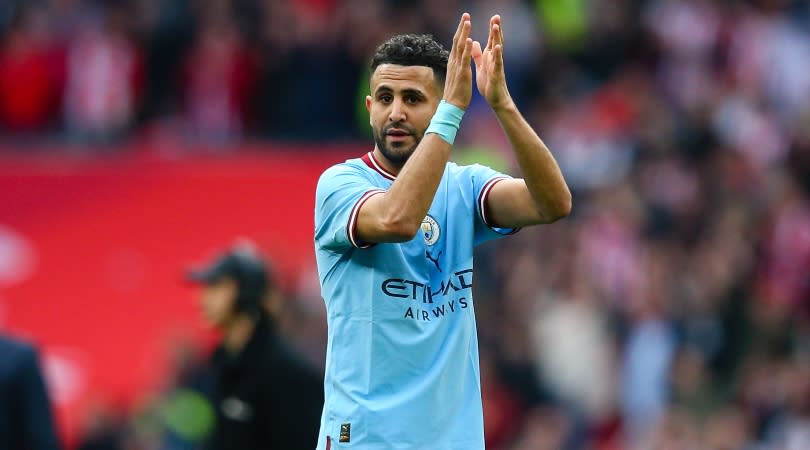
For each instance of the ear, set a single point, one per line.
(368, 108)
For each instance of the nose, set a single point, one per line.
(397, 111)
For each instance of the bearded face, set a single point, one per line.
(403, 100)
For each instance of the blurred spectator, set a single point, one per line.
(543, 429)
(318, 51)
(645, 374)
(790, 430)
(584, 387)
(29, 75)
(786, 247)
(168, 28)
(26, 421)
(727, 429)
(503, 404)
(103, 78)
(218, 76)
(264, 395)
(675, 431)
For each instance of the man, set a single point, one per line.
(265, 397)
(26, 421)
(394, 238)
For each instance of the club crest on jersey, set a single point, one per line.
(430, 230)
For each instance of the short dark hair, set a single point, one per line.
(413, 50)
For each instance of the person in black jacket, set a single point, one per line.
(265, 396)
(26, 421)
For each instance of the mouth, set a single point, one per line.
(397, 133)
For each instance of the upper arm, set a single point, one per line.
(340, 195)
(351, 211)
(510, 205)
(483, 182)
(375, 225)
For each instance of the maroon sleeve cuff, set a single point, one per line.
(351, 226)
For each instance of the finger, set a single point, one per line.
(464, 18)
(464, 37)
(465, 57)
(477, 53)
(498, 32)
(490, 38)
(497, 53)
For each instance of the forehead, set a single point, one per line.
(398, 77)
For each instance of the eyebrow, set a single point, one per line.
(407, 91)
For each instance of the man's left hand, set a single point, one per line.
(489, 72)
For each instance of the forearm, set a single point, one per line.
(539, 169)
(410, 196)
(396, 215)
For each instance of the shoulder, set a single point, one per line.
(17, 354)
(476, 171)
(352, 166)
(347, 171)
(468, 168)
(16, 347)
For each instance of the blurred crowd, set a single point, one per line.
(670, 311)
(95, 72)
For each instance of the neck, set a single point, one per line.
(238, 333)
(387, 165)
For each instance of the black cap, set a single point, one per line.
(246, 267)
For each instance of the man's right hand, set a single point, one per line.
(458, 82)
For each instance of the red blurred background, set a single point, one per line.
(98, 247)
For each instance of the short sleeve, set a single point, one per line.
(483, 179)
(340, 193)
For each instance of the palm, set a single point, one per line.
(486, 77)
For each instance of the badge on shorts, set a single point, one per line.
(345, 432)
(430, 230)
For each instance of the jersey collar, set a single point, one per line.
(372, 162)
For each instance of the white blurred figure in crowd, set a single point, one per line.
(575, 355)
(103, 78)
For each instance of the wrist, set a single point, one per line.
(504, 106)
(446, 121)
(453, 103)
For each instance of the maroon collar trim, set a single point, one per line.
(372, 162)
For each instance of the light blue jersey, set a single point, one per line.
(402, 353)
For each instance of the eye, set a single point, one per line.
(385, 98)
(412, 99)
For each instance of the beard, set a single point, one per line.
(396, 152)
